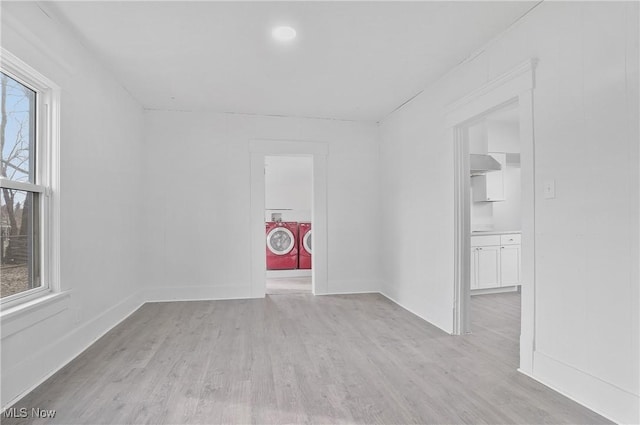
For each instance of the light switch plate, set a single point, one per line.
(549, 189)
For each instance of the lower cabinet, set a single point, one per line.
(509, 265)
(488, 266)
(495, 261)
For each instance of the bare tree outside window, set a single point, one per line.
(18, 208)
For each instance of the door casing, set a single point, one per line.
(514, 86)
(261, 148)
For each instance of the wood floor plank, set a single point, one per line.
(296, 358)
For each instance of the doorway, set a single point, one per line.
(317, 152)
(495, 204)
(515, 87)
(288, 220)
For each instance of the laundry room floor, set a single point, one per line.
(289, 285)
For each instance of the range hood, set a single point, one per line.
(480, 164)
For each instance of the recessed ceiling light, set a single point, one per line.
(283, 33)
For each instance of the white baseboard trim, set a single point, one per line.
(50, 359)
(352, 286)
(277, 274)
(414, 313)
(610, 401)
(198, 293)
(347, 293)
(603, 398)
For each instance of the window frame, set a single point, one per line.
(47, 175)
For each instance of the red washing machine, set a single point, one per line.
(282, 245)
(304, 242)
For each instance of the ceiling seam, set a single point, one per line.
(255, 114)
(467, 59)
(53, 14)
(67, 26)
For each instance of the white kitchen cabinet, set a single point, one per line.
(489, 187)
(510, 239)
(509, 265)
(488, 266)
(495, 261)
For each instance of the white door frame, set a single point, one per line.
(261, 148)
(514, 86)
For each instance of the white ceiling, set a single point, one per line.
(351, 60)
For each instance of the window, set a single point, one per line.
(28, 213)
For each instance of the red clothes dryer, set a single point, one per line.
(304, 244)
(282, 245)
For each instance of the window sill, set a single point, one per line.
(22, 316)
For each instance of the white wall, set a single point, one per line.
(478, 138)
(193, 218)
(101, 167)
(586, 139)
(288, 186)
(481, 215)
(501, 137)
(507, 214)
(198, 204)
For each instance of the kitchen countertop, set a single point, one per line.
(494, 232)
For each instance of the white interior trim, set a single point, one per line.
(527, 255)
(596, 394)
(223, 291)
(23, 73)
(43, 364)
(279, 274)
(492, 94)
(28, 187)
(29, 313)
(513, 86)
(47, 171)
(260, 148)
(462, 233)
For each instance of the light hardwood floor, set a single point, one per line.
(352, 359)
